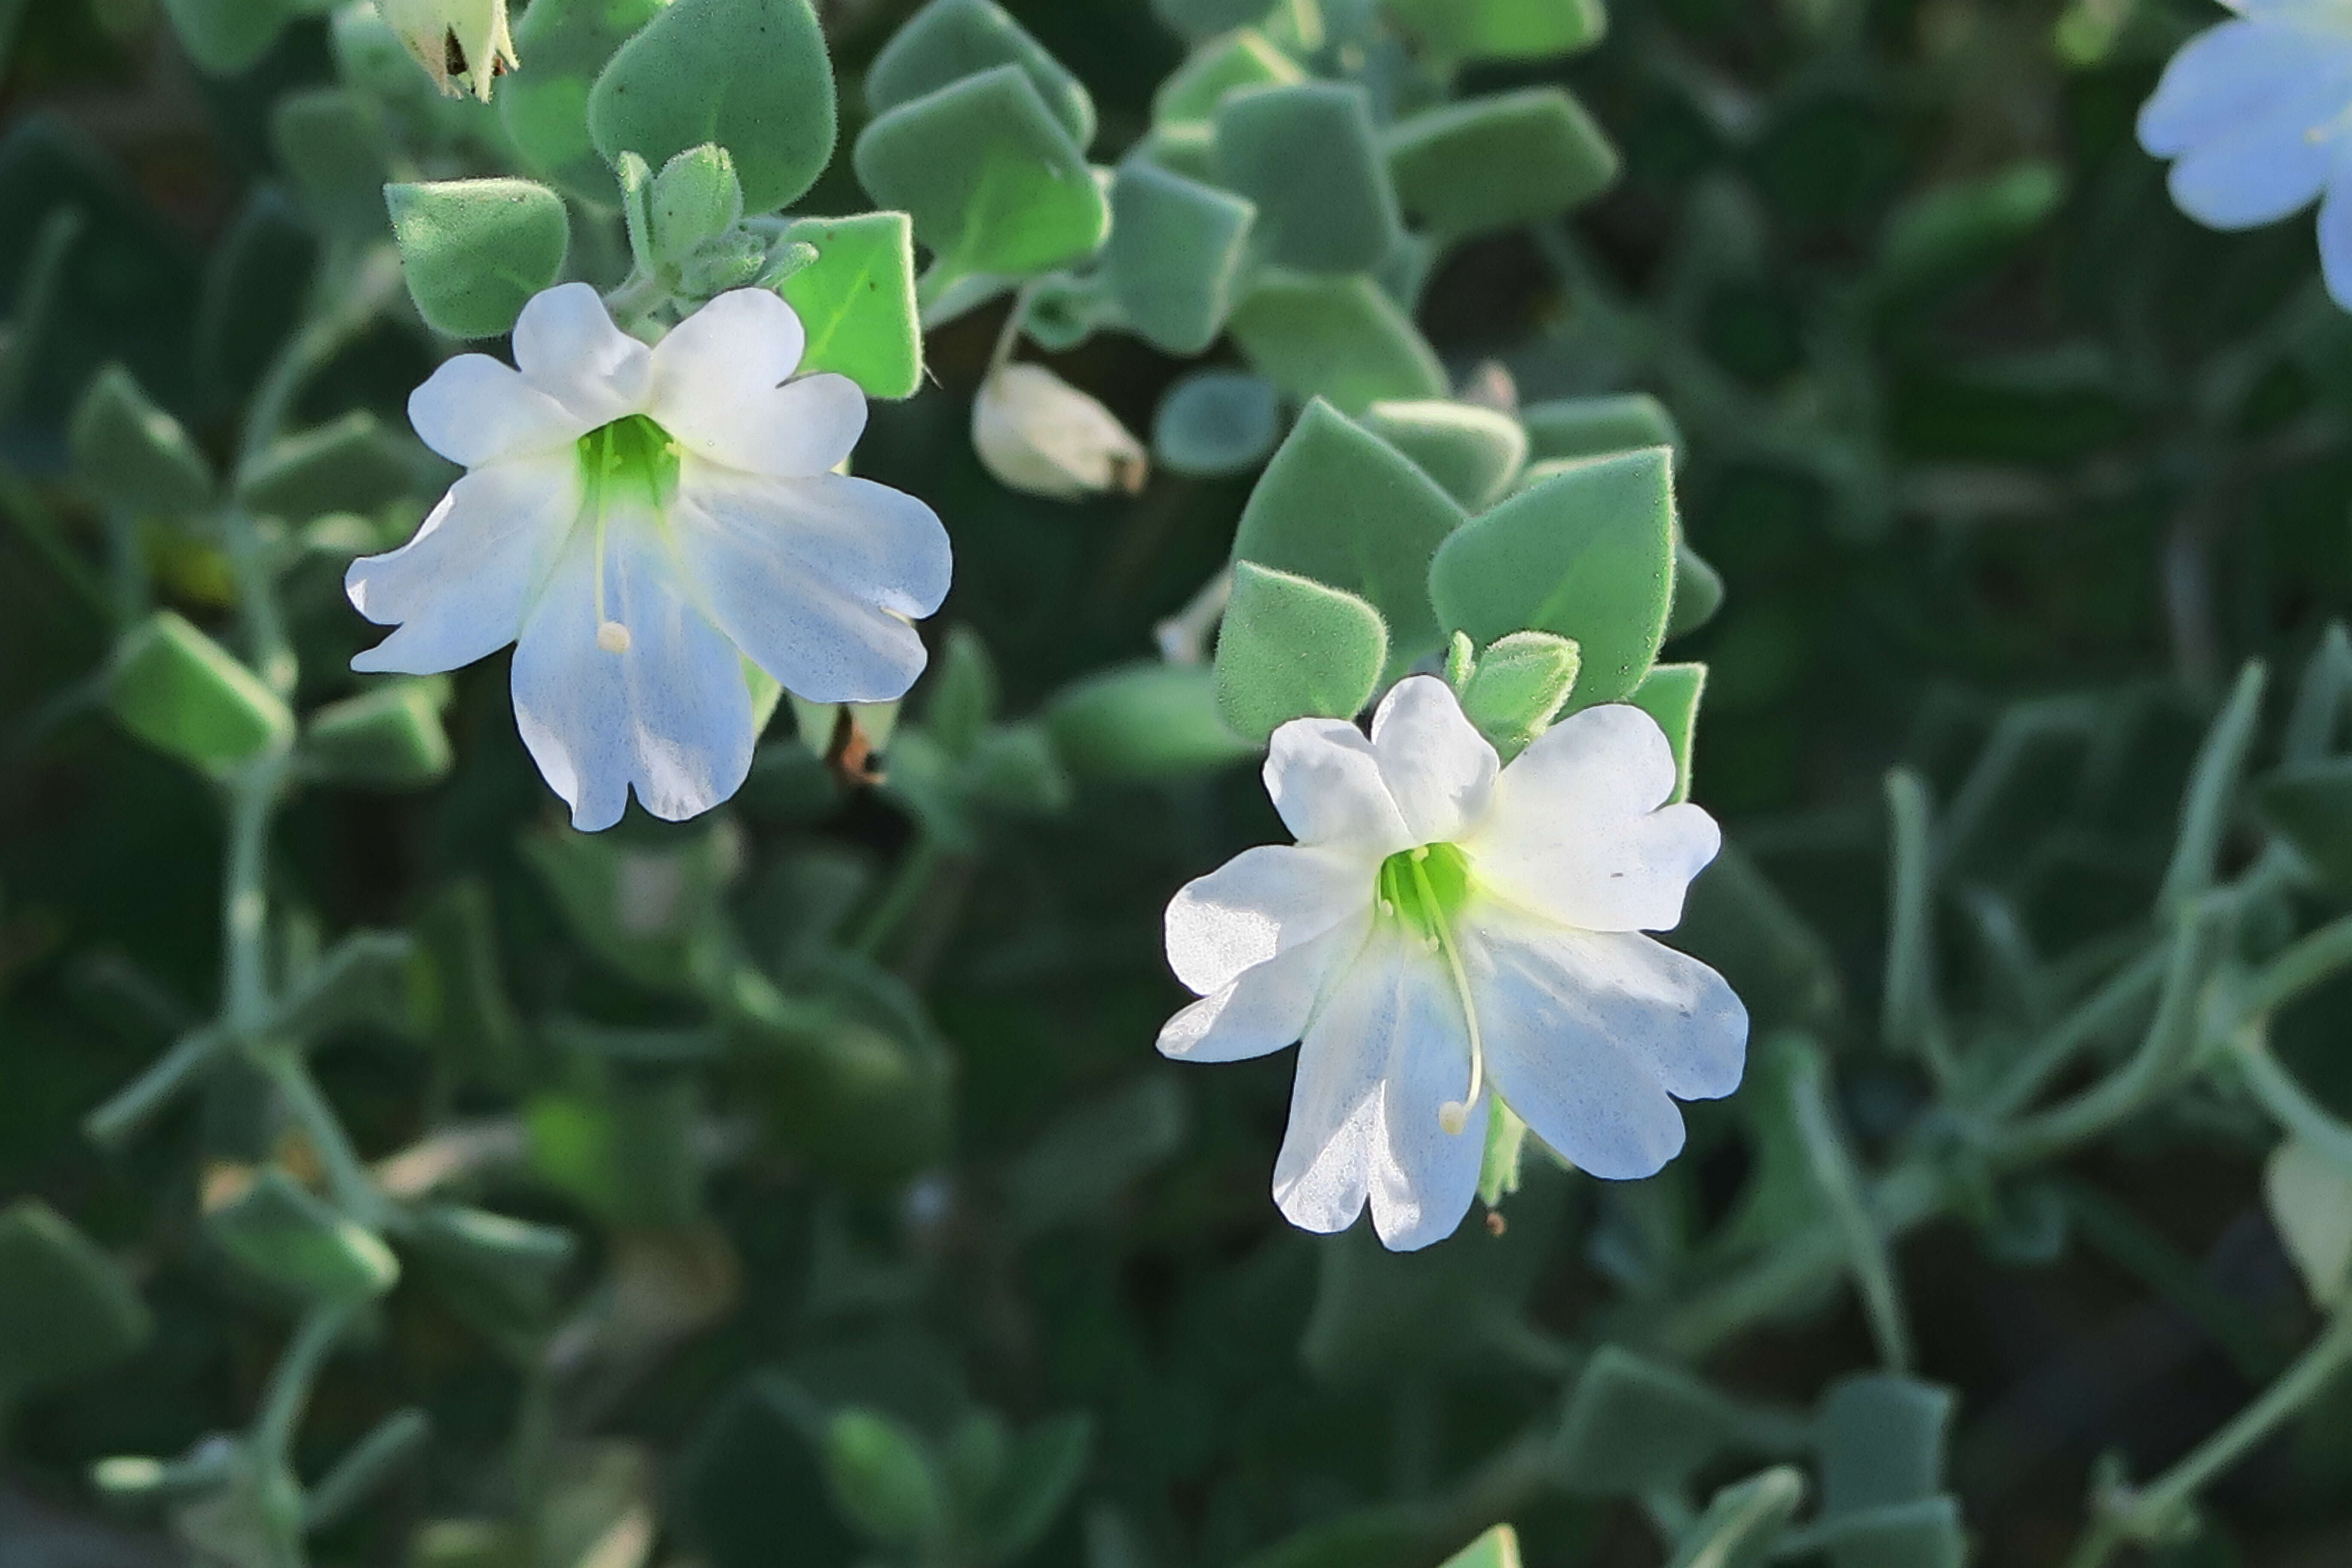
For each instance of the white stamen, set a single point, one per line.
(613, 637)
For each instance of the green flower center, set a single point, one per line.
(1425, 888)
(631, 457)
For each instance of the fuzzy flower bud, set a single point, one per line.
(461, 44)
(1038, 434)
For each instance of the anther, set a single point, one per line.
(613, 637)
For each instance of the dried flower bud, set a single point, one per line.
(461, 44)
(1038, 434)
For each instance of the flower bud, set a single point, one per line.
(696, 199)
(1037, 433)
(461, 44)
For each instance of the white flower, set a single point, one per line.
(640, 523)
(1445, 933)
(463, 45)
(2258, 114)
(1039, 435)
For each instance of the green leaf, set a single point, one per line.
(1743, 1522)
(1924, 1534)
(475, 251)
(856, 300)
(1498, 161)
(388, 738)
(1082, 1163)
(1342, 339)
(349, 464)
(2309, 1197)
(1498, 1548)
(332, 144)
(182, 693)
(282, 1232)
(1587, 554)
(1239, 60)
(960, 696)
(1343, 507)
(949, 40)
(2310, 804)
(1500, 29)
(883, 1478)
(227, 37)
(1596, 426)
(1698, 592)
(1214, 423)
(1517, 687)
(66, 1309)
(133, 453)
(1197, 19)
(1474, 452)
(500, 1275)
(1882, 1439)
(653, 913)
(625, 1152)
(1307, 156)
(1142, 721)
(1186, 147)
(1633, 1423)
(750, 75)
(1737, 922)
(1040, 1472)
(1670, 694)
(1175, 254)
(1291, 648)
(545, 108)
(992, 181)
(1951, 232)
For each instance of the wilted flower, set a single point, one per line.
(1445, 935)
(463, 45)
(1038, 434)
(2258, 114)
(640, 523)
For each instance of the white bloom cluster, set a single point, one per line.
(639, 522)
(1448, 932)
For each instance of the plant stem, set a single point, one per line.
(373, 282)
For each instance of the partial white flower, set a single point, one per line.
(1039, 435)
(1447, 933)
(2257, 114)
(463, 45)
(642, 522)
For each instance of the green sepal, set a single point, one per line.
(751, 75)
(1341, 339)
(1500, 29)
(991, 179)
(475, 251)
(332, 144)
(1237, 62)
(182, 693)
(545, 108)
(949, 40)
(388, 738)
(1291, 648)
(1474, 452)
(1670, 694)
(1175, 256)
(1498, 161)
(1587, 554)
(856, 301)
(1498, 1167)
(1518, 686)
(1341, 506)
(279, 1230)
(1596, 426)
(66, 1309)
(1141, 722)
(133, 453)
(1213, 423)
(1308, 157)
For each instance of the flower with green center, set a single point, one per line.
(643, 524)
(1449, 934)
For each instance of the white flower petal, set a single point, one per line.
(1589, 1037)
(1439, 769)
(2220, 79)
(720, 387)
(2336, 229)
(1268, 1005)
(1324, 1173)
(1423, 1176)
(815, 579)
(2268, 167)
(567, 346)
(1326, 781)
(473, 410)
(1572, 833)
(460, 589)
(1257, 904)
(670, 716)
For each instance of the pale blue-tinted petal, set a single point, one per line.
(460, 589)
(1438, 768)
(1323, 1175)
(669, 717)
(720, 387)
(1573, 835)
(1267, 1007)
(473, 410)
(1258, 903)
(1423, 1176)
(1325, 779)
(815, 579)
(1589, 1037)
(2336, 228)
(2271, 165)
(2220, 79)
(567, 346)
